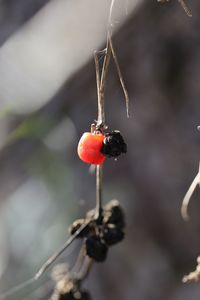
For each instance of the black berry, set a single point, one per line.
(113, 144)
(96, 248)
(113, 214)
(112, 235)
(66, 296)
(78, 295)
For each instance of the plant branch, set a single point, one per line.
(97, 74)
(49, 262)
(188, 195)
(120, 75)
(99, 184)
(101, 84)
(185, 7)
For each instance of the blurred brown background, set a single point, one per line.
(44, 186)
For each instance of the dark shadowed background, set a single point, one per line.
(43, 184)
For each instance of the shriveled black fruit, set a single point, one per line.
(113, 214)
(96, 248)
(76, 225)
(66, 296)
(71, 295)
(112, 235)
(113, 144)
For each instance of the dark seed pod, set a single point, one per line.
(113, 144)
(112, 235)
(71, 295)
(96, 248)
(66, 296)
(113, 214)
(76, 225)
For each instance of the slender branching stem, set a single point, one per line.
(119, 74)
(185, 7)
(188, 195)
(98, 79)
(80, 260)
(87, 269)
(101, 84)
(17, 288)
(49, 262)
(101, 79)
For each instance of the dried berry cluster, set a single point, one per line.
(98, 235)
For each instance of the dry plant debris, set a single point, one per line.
(183, 4)
(195, 275)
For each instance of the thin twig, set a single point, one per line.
(183, 4)
(49, 262)
(101, 81)
(101, 84)
(17, 288)
(115, 58)
(99, 184)
(86, 269)
(111, 12)
(185, 7)
(80, 260)
(97, 74)
(188, 195)
(120, 75)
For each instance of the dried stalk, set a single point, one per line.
(101, 85)
(193, 276)
(183, 4)
(188, 195)
(185, 7)
(120, 76)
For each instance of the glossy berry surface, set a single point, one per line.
(89, 148)
(114, 144)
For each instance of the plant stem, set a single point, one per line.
(51, 259)
(101, 84)
(185, 7)
(99, 184)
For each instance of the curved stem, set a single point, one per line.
(188, 195)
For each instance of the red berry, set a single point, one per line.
(89, 148)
